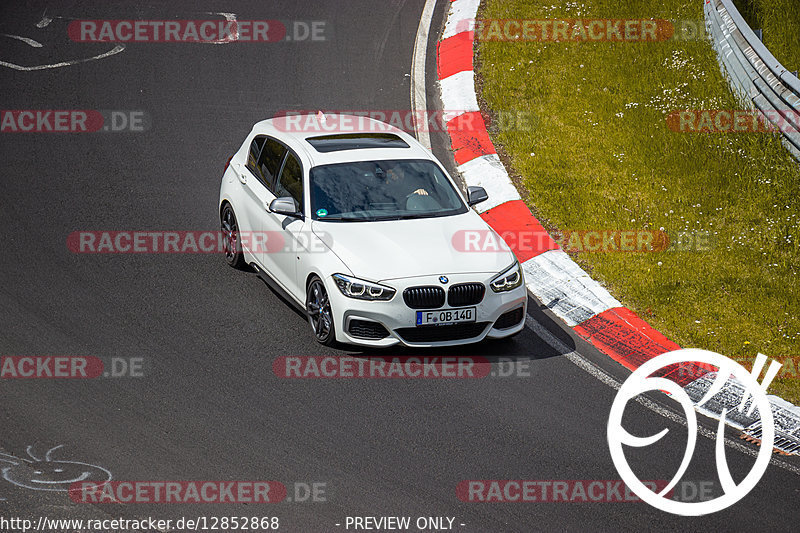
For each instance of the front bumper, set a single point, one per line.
(359, 322)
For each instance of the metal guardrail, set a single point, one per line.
(755, 75)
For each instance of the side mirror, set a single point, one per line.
(285, 206)
(476, 195)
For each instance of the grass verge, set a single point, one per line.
(600, 156)
(780, 21)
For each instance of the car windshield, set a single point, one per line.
(382, 190)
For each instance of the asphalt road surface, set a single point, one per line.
(208, 405)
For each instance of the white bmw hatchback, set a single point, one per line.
(360, 231)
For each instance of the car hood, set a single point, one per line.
(380, 251)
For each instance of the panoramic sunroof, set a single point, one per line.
(355, 141)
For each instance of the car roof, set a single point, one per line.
(296, 131)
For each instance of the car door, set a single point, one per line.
(250, 193)
(290, 183)
(257, 178)
(268, 166)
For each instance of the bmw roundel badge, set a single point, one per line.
(443, 280)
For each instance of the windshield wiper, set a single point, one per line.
(339, 218)
(420, 215)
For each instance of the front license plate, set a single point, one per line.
(446, 316)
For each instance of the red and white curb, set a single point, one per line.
(555, 279)
(550, 275)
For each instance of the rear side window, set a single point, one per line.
(291, 181)
(270, 162)
(255, 150)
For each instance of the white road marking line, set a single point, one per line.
(45, 20)
(586, 365)
(31, 42)
(419, 104)
(230, 17)
(117, 49)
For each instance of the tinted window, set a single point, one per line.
(355, 141)
(382, 190)
(291, 181)
(270, 162)
(255, 149)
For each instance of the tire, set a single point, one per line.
(320, 316)
(232, 245)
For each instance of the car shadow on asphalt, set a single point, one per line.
(524, 346)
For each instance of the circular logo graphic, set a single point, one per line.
(48, 473)
(443, 280)
(641, 381)
(322, 213)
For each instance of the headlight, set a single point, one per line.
(362, 290)
(509, 279)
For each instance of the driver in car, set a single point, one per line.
(398, 183)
